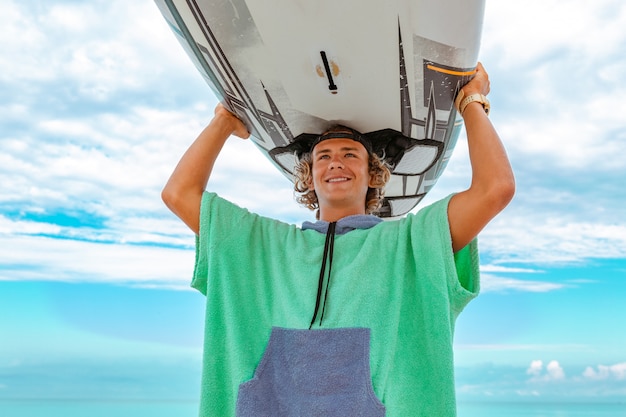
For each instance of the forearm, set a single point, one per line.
(183, 192)
(491, 171)
(492, 185)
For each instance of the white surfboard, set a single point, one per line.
(288, 67)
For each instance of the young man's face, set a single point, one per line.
(340, 174)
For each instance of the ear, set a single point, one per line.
(372, 182)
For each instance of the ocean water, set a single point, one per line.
(496, 409)
(84, 408)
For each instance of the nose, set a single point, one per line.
(336, 162)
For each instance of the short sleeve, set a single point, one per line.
(220, 224)
(200, 273)
(461, 268)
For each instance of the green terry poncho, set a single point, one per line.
(399, 279)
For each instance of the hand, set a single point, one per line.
(479, 84)
(238, 128)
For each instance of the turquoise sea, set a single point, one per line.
(85, 408)
(493, 409)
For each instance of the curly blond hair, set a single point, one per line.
(378, 170)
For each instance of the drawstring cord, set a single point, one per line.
(329, 246)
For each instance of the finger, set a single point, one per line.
(242, 131)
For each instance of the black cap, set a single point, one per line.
(388, 144)
(305, 142)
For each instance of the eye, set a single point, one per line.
(324, 156)
(351, 155)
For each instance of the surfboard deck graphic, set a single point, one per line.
(290, 67)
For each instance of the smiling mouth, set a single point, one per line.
(341, 179)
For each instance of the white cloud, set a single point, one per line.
(549, 381)
(536, 368)
(555, 371)
(528, 393)
(552, 372)
(504, 269)
(492, 283)
(604, 372)
(582, 139)
(43, 259)
(100, 46)
(581, 28)
(525, 348)
(539, 238)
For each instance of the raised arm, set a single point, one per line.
(493, 184)
(183, 192)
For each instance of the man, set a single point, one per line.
(349, 315)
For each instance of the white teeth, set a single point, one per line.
(337, 179)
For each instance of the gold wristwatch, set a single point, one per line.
(461, 101)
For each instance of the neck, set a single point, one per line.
(330, 214)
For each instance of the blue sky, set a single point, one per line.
(98, 102)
